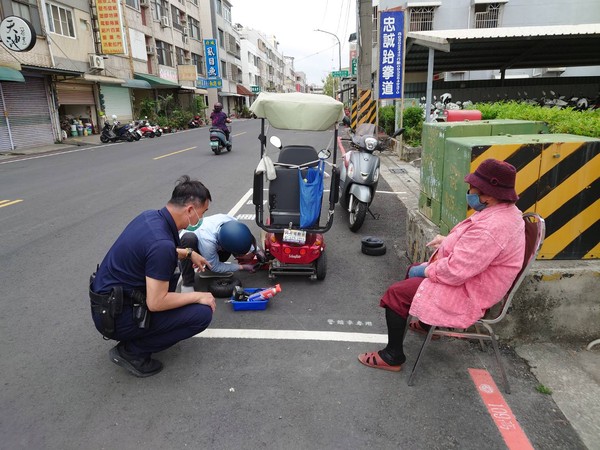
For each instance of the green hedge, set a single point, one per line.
(581, 123)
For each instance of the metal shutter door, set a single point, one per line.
(75, 94)
(117, 101)
(28, 113)
(4, 136)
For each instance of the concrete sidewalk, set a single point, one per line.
(568, 369)
(68, 144)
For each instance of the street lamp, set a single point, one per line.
(339, 47)
(339, 51)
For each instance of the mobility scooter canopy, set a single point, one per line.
(298, 111)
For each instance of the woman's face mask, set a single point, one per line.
(474, 202)
(197, 225)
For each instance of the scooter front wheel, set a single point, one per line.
(357, 214)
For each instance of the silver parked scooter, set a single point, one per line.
(359, 174)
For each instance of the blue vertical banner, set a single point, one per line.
(212, 58)
(391, 56)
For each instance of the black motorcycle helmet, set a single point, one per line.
(218, 107)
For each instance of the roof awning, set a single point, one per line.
(136, 84)
(243, 91)
(9, 74)
(52, 70)
(102, 79)
(193, 90)
(503, 48)
(156, 82)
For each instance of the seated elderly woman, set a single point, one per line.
(471, 269)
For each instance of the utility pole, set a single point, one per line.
(365, 43)
(364, 110)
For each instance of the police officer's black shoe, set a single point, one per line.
(140, 367)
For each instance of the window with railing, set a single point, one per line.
(224, 70)
(180, 55)
(176, 18)
(164, 53)
(198, 61)
(375, 25)
(194, 28)
(487, 15)
(60, 20)
(421, 18)
(221, 38)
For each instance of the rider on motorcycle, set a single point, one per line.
(220, 119)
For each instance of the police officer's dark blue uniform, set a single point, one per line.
(148, 249)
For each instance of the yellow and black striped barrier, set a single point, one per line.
(558, 177)
(364, 109)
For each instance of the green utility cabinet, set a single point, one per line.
(558, 177)
(433, 141)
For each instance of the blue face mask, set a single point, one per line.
(197, 225)
(474, 202)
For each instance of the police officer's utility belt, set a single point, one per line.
(108, 306)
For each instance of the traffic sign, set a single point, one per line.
(339, 73)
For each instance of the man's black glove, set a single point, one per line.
(260, 256)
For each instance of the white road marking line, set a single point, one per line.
(245, 217)
(293, 335)
(239, 204)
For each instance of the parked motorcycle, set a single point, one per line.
(116, 132)
(359, 174)
(196, 122)
(218, 140)
(146, 129)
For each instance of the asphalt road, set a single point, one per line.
(60, 391)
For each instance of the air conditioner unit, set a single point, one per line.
(150, 50)
(145, 3)
(185, 39)
(164, 21)
(96, 62)
(186, 31)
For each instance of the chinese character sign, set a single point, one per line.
(111, 32)
(211, 57)
(17, 34)
(391, 45)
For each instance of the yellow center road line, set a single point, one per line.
(174, 153)
(4, 203)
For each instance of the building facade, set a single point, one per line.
(99, 58)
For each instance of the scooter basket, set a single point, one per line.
(311, 193)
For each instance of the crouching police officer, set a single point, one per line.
(132, 294)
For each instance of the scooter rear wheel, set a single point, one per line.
(357, 215)
(104, 139)
(321, 269)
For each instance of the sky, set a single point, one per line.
(293, 24)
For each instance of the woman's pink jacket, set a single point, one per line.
(473, 268)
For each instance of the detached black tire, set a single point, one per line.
(374, 251)
(372, 242)
(223, 287)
